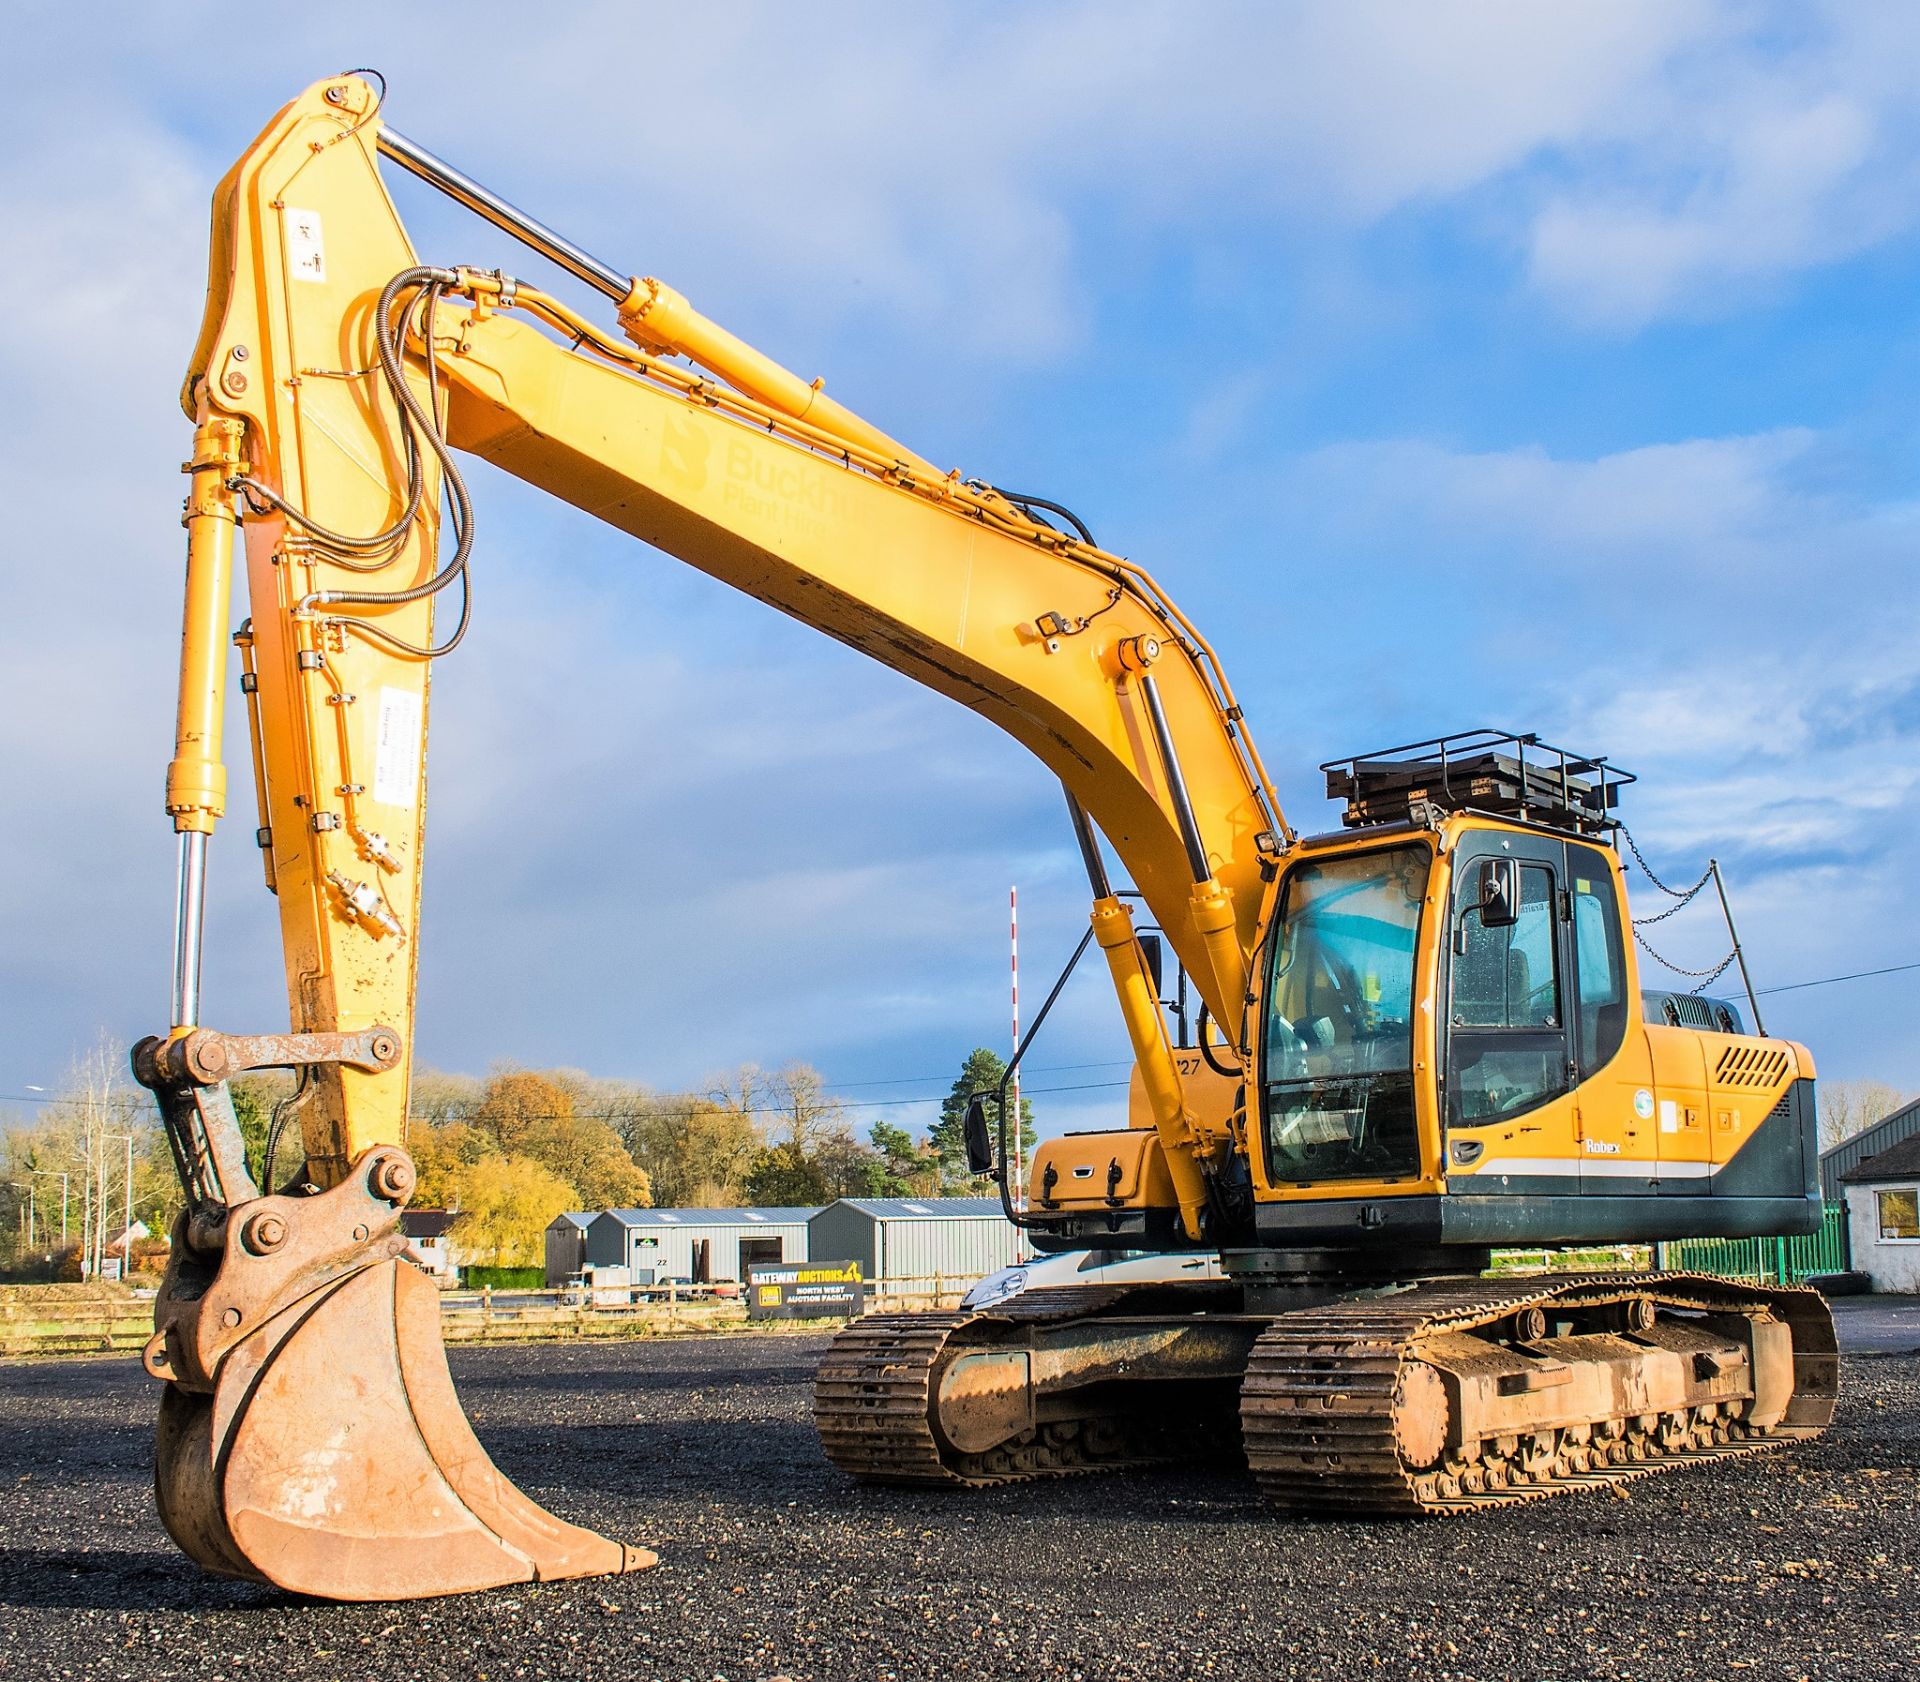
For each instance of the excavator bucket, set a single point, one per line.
(333, 1459)
(310, 1436)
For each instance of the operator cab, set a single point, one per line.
(1451, 1043)
(1339, 1051)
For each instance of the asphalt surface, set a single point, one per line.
(1878, 1325)
(1796, 1564)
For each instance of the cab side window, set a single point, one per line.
(1508, 1048)
(1599, 959)
(1506, 977)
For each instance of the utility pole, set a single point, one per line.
(62, 1176)
(1019, 1186)
(27, 1187)
(100, 1229)
(1739, 957)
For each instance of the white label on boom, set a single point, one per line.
(396, 760)
(306, 245)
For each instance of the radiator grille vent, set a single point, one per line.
(1750, 1066)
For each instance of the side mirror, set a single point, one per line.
(979, 1137)
(1499, 892)
(1154, 953)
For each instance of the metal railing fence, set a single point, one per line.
(1768, 1261)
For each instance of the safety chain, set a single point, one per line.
(1703, 976)
(1679, 904)
(1681, 894)
(1682, 898)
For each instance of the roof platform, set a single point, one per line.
(1503, 773)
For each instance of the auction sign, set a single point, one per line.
(805, 1291)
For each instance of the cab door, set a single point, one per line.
(1613, 1107)
(1509, 1064)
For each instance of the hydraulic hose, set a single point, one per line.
(434, 280)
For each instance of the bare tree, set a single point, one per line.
(78, 1146)
(1848, 1107)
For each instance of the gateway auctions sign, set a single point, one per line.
(805, 1291)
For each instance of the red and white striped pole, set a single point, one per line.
(1013, 1096)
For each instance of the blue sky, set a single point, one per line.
(1551, 366)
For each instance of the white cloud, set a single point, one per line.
(1639, 155)
(919, 201)
(1717, 498)
(1740, 165)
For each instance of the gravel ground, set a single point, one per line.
(1796, 1564)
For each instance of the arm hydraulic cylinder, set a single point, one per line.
(197, 776)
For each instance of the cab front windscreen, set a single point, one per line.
(1337, 1046)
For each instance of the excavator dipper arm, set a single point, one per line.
(310, 1435)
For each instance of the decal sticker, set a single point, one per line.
(396, 759)
(1603, 1147)
(306, 245)
(1643, 1104)
(1669, 1116)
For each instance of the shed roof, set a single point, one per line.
(774, 1216)
(1838, 1161)
(579, 1219)
(924, 1208)
(427, 1223)
(1901, 1162)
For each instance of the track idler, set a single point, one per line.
(310, 1436)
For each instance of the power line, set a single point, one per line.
(753, 1110)
(1829, 980)
(47, 1099)
(125, 1098)
(1041, 1069)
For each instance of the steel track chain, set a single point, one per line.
(1317, 1399)
(873, 1400)
(1318, 1403)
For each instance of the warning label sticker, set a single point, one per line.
(396, 757)
(306, 245)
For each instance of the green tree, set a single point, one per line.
(785, 1176)
(255, 1098)
(253, 1110)
(911, 1166)
(982, 1072)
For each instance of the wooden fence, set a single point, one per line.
(567, 1314)
(34, 1320)
(69, 1320)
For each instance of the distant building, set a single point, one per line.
(428, 1245)
(697, 1246)
(916, 1237)
(566, 1246)
(1883, 1216)
(1888, 1131)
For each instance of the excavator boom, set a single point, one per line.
(334, 386)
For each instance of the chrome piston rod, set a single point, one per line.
(462, 188)
(189, 919)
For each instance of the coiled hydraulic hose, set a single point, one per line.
(415, 423)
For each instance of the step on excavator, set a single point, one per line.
(1412, 1040)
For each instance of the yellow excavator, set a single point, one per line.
(1412, 1040)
